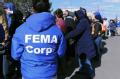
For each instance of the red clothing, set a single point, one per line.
(61, 24)
(104, 26)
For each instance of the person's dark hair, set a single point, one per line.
(113, 21)
(41, 5)
(59, 13)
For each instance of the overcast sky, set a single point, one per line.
(108, 8)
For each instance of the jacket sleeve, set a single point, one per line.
(62, 47)
(17, 47)
(77, 31)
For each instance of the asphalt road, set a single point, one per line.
(110, 62)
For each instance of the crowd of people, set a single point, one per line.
(42, 44)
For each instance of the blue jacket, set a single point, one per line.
(83, 35)
(38, 43)
(118, 24)
(112, 26)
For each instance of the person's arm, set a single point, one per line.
(77, 31)
(17, 47)
(62, 47)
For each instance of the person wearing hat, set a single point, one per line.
(9, 9)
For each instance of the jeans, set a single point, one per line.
(4, 64)
(98, 42)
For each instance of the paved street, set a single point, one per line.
(110, 64)
(110, 61)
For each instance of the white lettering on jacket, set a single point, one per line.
(40, 39)
(45, 51)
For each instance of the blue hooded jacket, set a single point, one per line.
(38, 43)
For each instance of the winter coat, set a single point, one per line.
(61, 24)
(10, 6)
(69, 23)
(118, 24)
(17, 20)
(4, 26)
(96, 29)
(112, 26)
(38, 43)
(2, 34)
(83, 34)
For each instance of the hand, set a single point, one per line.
(8, 11)
(3, 43)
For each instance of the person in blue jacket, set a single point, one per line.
(10, 9)
(84, 48)
(38, 43)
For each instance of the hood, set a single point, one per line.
(40, 21)
(80, 14)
